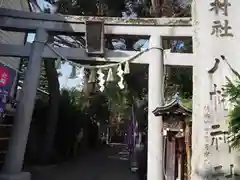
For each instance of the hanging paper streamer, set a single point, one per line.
(74, 72)
(58, 63)
(120, 74)
(101, 80)
(81, 71)
(110, 77)
(92, 77)
(126, 68)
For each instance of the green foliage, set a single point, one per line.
(118, 100)
(43, 84)
(232, 90)
(145, 8)
(90, 7)
(178, 80)
(235, 126)
(72, 117)
(187, 103)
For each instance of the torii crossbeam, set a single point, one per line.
(29, 21)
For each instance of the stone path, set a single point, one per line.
(108, 164)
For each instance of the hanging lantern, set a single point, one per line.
(58, 63)
(120, 73)
(101, 80)
(110, 77)
(92, 76)
(73, 73)
(126, 68)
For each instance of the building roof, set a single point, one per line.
(173, 107)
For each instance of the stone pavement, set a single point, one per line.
(110, 163)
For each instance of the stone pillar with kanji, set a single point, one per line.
(215, 45)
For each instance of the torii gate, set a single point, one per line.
(42, 24)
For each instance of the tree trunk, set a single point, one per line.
(156, 7)
(188, 149)
(51, 123)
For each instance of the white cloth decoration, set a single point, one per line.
(120, 73)
(58, 63)
(126, 68)
(101, 80)
(110, 77)
(92, 77)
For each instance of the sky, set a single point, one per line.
(66, 69)
(64, 80)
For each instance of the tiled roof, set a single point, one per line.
(173, 107)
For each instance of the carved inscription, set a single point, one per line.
(218, 5)
(217, 94)
(219, 136)
(218, 99)
(207, 122)
(207, 114)
(219, 173)
(221, 28)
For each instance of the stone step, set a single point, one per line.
(2, 155)
(3, 150)
(5, 130)
(5, 133)
(4, 143)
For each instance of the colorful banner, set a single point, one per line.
(132, 135)
(131, 130)
(7, 76)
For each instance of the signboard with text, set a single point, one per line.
(7, 76)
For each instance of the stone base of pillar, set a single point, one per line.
(20, 176)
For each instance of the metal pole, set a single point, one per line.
(14, 159)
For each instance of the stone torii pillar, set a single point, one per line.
(155, 99)
(12, 169)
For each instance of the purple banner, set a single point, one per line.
(132, 130)
(1, 107)
(132, 135)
